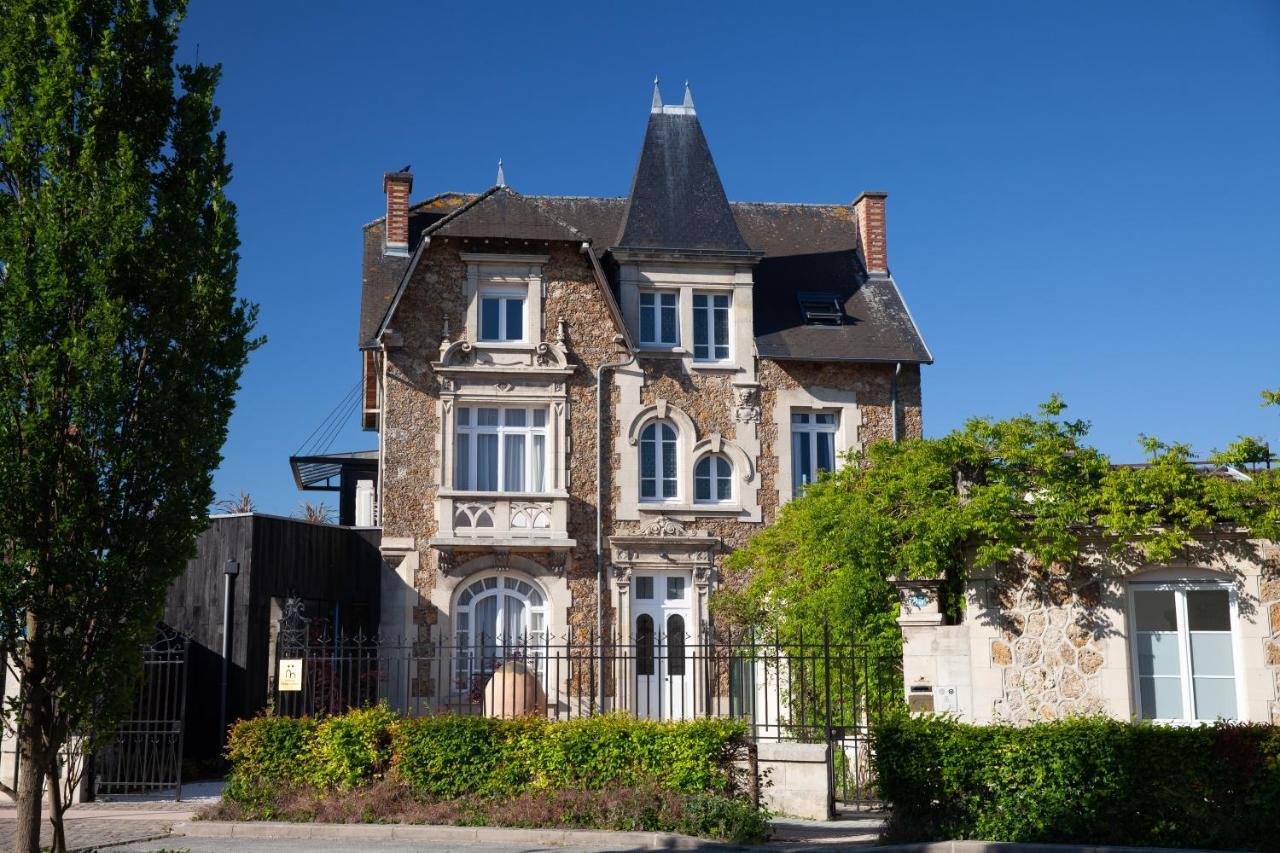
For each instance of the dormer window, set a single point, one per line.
(658, 324)
(821, 309)
(502, 315)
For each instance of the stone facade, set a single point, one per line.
(1043, 643)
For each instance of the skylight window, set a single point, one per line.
(821, 309)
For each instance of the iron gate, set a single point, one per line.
(146, 753)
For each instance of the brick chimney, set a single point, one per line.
(868, 208)
(397, 186)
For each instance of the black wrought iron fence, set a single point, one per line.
(146, 753)
(787, 688)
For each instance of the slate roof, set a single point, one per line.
(677, 203)
(676, 199)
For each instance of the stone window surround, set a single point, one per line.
(842, 400)
(689, 279)
(450, 584)
(689, 449)
(1185, 579)
(511, 271)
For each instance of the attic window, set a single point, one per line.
(821, 309)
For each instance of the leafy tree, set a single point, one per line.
(121, 347)
(979, 496)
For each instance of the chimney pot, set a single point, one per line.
(397, 186)
(868, 209)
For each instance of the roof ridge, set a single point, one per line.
(416, 205)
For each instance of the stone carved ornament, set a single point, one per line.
(748, 410)
(663, 526)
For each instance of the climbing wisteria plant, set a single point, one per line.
(937, 507)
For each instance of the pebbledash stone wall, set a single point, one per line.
(1046, 642)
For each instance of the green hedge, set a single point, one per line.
(1086, 780)
(450, 756)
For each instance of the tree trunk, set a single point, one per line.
(57, 809)
(30, 788)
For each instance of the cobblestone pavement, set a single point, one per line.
(93, 824)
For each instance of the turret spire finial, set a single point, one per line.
(502, 179)
(688, 96)
(657, 96)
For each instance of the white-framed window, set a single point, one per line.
(1184, 650)
(500, 449)
(502, 314)
(711, 326)
(713, 480)
(498, 618)
(813, 446)
(659, 318)
(659, 448)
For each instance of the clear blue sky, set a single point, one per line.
(1084, 197)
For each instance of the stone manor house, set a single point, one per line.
(583, 404)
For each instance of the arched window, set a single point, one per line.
(644, 644)
(498, 618)
(658, 449)
(675, 644)
(713, 480)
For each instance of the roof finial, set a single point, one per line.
(688, 96)
(657, 96)
(502, 179)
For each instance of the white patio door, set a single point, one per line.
(661, 629)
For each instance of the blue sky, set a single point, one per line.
(1084, 197)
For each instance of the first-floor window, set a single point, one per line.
(1183, 641)
(713, 480)
(500, 449)
(658, 448)
(502, 316)
(710, 326)
(813, 447)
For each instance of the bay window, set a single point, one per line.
(1184, 650)
(710, 327)
(500, 449)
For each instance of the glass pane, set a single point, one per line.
(699, 301)
(513, 463)
(1158, 654)
(644, 644)
(1215, 697)
(462, 618)
(539, 417)
(515, 319)
(535, 598)
(648, 457)
(513, 620)
(538, 463)
(462, 460)
(486, 629)
(800, 418)
(675, 588)
(724, 485)
(1161, 698)
(489, 309)
(722, 302)
(487, 463)
(647, 332)
(826, 451)
(1154, 610)
(827, 418)
(722, 328)
(702, 488)
(701, 347)
(675, 645)
(669, 320)
(465, 598)
(486, 417)
(1208, 610)
(644, 587)
(464, 416)
(516, 417)
(1211, 654)
(801, 461)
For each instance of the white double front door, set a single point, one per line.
(664, 645)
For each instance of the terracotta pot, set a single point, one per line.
(514, 691)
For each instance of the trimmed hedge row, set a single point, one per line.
(450, 756)
(1087, 780)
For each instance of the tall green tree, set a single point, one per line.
(121, 347)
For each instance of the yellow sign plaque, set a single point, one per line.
(290, 675)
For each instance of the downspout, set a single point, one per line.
(893, 398)
(382, 421)
(601, 449)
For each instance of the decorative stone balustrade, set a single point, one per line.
(511, 520)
